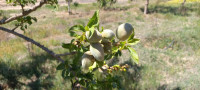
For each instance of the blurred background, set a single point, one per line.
(169, 48)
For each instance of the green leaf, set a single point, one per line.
(67, 46)
(133, 41)
(9, 1)
(89, 75)
(25, 26)
(122, 45)
(61, 66)
(132, 36)
(93, 66)
(134, 55)
(73, 34)
(86, 28)
(118, 53)
(64, 73)
(28, 18)
(102, 28)
(77, 28)
(77, 58)
(100, 63)
(34, 19)
(72, 41)
(92, 29)
(107, 57)
(94, 21)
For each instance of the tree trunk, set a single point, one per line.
(182, 8)
(146, 7)
(69, 11)
(183, 3)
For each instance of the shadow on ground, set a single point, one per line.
(32, 70)
(165, 87)
(175, 10)
(39, 75)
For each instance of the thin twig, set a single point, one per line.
(15, 28)
(171, 44)
(25, 13)
(22, 6)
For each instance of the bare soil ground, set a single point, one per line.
(5, 6)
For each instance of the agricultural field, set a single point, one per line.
(169, 47)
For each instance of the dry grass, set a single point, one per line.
(3, 36)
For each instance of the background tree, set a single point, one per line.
(105, 3)
(68, 6)
(146, 7)
(182, 7)
(183, 2)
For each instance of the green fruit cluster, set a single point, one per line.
(100, 43)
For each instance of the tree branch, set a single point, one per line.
(57, 56)
(24, 13)
(15, 28)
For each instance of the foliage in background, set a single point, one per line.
(105, 3)
(181, 1)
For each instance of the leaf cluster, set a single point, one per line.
(23, 22)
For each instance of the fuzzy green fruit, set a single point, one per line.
(87, 61)
(96, 37)
(97, 51)
(124, 31)
(108, 34)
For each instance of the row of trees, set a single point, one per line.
(102, 4)
(105, 3)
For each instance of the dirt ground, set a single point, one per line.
(4, 6)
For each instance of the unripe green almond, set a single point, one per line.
(97, 51)
(107, 47)
(124, 31)
(108, 34)
(96, 37)
(87, 60)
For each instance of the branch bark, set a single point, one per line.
(146, 7)
(57, 56)
(183, 3)
(24, 13)
(68, 6)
